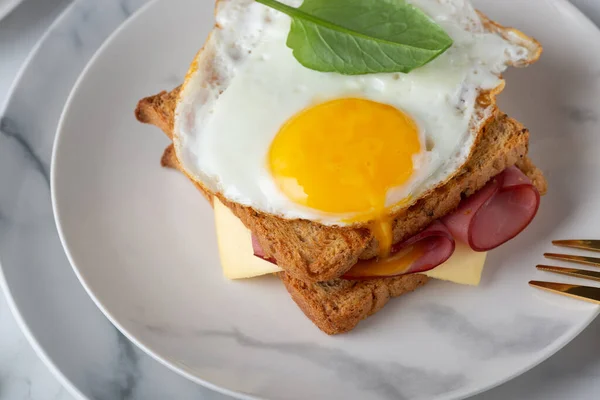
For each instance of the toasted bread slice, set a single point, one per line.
(314, 252)
(339, 305)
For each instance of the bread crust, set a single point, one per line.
(314, 252)
(339, 305)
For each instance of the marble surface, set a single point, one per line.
(116, 369)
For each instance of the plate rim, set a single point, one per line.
(8, 7)
(62, 120)
(4, 285)
(181, 370)
(5, 289)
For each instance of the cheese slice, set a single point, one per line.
(238, 260)
(235, 247)
(464, 266)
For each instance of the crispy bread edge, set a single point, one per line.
(314, 252)
(339, 305)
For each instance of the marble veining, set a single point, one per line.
(581, 114)
(386, 380)
(128, 7)
(127, 377)
(128, 361)
(10, 130)
(389, 380)
(524, 334)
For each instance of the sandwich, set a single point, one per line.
(353, 148)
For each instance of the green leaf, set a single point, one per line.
(355, 37)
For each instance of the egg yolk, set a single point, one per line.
(343, 156)
(395, 264)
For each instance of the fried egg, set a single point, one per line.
(256, 126)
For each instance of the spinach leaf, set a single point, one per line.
(355, 37)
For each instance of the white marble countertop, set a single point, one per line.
(572, 373)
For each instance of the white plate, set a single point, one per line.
(142, 242)
(6, 6)
(88, 355)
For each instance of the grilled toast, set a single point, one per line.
(313, 252)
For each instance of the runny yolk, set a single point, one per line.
(395, 264)
(343, 156)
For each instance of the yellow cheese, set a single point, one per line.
(235, 247)
(238, 260)
(464, 266)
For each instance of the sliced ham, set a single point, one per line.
(433, 246)
(485, 220)
(437, 243)
(496, 213)
(420, 253)
(259, 252)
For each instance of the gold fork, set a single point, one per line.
(587, 293)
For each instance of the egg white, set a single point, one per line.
(247, 84)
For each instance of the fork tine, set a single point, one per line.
(593, 245)
(587, 293)
(576, 259)
(578, 273)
